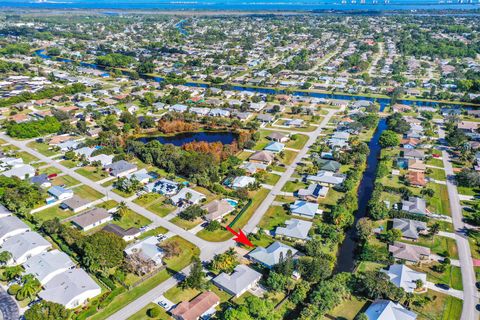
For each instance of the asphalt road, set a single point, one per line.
(470, 293)
(8, 306)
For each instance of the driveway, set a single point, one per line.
(8, 306)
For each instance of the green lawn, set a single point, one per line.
(53, 212)
(173, 265)
(65, 180)
(122, 193)
(297, 141)
(275, 216)
(131, 219)
(49, 170)
(441, 307)
(147, 199)
(289, 156)
(467, 191)
(154, 202)
(43, 148)
(244, 155)
(437, 174)
(348, 309)
(27, 157)
(438, 245)
(92, 173)
(142, 314)
(435, 162)
(86, 192)
(439, 203)
(153, 232)
(292, 186)
(272, 179)
(69, 163)
(452, 275)
(185, 224)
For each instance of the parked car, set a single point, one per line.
(443, 286)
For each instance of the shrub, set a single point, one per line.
(13, 289)
(153, 312)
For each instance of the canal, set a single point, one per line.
(347, 250)
(187, 137)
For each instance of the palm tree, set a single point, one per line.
(5, 256)
(11, 273)
(31, 286)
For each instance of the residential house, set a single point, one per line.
(296, 123)
(416, 165)
(21, 172)
(147, 249)
(41, 180)
(126, 234)
(409, 252)
(60, 193)
(416, 178)
(414, 154)
(404, 277)
(273, 254)
(313, 192)
(265, 118)
(295, 228)
(410, 143)
(141, 176)
(242, 182)
(278, 137)
(121, 168)
(84, 152)
(274, 147)
(388, 310)
(265, 157)
(410, 229)
(47, 265)
(103, 159)
(468, 126)
(23, 246)
(92, 218)
(163, 186)
(71, 289)
(179, 108)
(328, 165)
(200, 307)
(253, 167)
(304, 208)
(217, 209)
(327, 178)
(242, 279)
(11, 226)
(187, 196)
(415, 205)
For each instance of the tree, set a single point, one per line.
(418, 284)
(315, 269)
(377, 285)
(393, 235)
(196, 278)
(456, 138)
(10, 273)
(361, 316)
(468, 178)
(102, 250)
(389, 138)
(364, 228)
(46, 310)
(193, 212)
(31, 286)
(300, 292)
(171, 248)
(213, 225)
(153, 312)
(434, 229)
(5, 256)
(224, 262)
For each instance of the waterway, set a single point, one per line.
(347, 250)
(186, 137)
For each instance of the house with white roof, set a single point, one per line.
(179, 108)
(11, 226)
(327, 178)
(304, 209)
(242, 279)
(21, 172)
(104, 159)
(274, 146)
(141, 176)
(147, 249)
(388, 310)
(404, 277)
(60, 193)
(23, 246)
(85, 152)
(71, 289)
(295, 228)
(242, 182)
(273, 254)
(47, 265)
(187, 195)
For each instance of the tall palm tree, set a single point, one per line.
(5, 256)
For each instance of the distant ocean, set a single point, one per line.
(246, 5)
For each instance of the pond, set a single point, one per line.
(186, 137)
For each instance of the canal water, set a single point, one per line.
(347, 251)
(186, 137)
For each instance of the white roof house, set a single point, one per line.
(242, 182)
(404, 277)
(271, 255)
(47, 265)
(304, 208)
(104, 159)
(25, 245)
(242, 279)
(85, 151)
(71, 289)
(148, 250)
(295, 228)
(22, 172)
(60, 193)
(327, 178)
(194, 198)
(388, 310)
(11, 226)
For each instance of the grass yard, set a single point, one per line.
(86, 192)
(92, 173)
(285, 199)
(244, 155)
(439, 203)
(437, 174)
(297, 141)
(272, 179)
(452, 275)
(109, 204)
(131, 219)
(122, 193)
(27, 157)
(49, 171)
(153, 232)
(365, 266)
(348, 309)
(69, 163)
(438, 245)
(148, 198)
(274, 217)
(278, 168)
(65, 180)
(161, 209)
(441, 307)
(43, 148)
(435, 162)
(293, 186)
(173, 265)
(467, 191)
(185, 224)
(53, 212)
(289, 156)
(142, 314)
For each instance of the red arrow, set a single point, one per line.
(240, 237)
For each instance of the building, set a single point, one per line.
(47, 265)
(121, 168)
(76, 204)
(415, 205)
(60, 193)
(217, 209)
(11, 226)
(273, 254)
(141, 176)
(414, 154)
(409, 252)
(416, 178)
(404, 277)
(416, 165)
(23, 246)
(41, 180)
(313, 192)
(242, 182)
(71, 289)
(295, 228)
(126, 234)
(304, 209)
(265, 157)
(163, 186)
(274, 147)
(200, 307)
(21, 172)
(187, 196)
(410, 229)
(388, 310)
(147, 249)
(327, 178)
(242, 279)
(278, 137)
(92, 218)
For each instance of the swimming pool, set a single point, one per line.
(232, 202)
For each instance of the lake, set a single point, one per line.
(186, 137)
